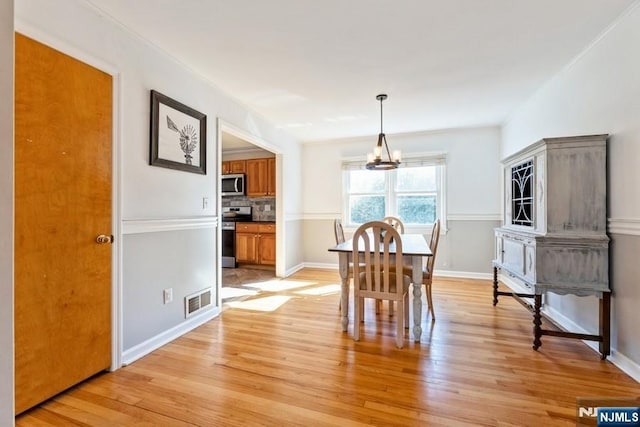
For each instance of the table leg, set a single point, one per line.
(416, 264)
(343, 268)
(495, 286)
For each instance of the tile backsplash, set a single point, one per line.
(263, 208)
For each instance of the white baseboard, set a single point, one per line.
(567, 323)
(321, 265)
(514, 284)
(625, 364)
(462, 274)
(437, 273)
(146, 347)
(293, 269)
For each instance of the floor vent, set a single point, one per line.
(196, 302)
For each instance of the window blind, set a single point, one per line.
(413, 161)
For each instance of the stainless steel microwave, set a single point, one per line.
(233, 184)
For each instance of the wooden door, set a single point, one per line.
(63, 127)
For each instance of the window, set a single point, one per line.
(413, 192)
(522, 194)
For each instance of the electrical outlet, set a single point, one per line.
(167, 295)
(267, 208)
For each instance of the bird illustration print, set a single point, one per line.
(188, 139)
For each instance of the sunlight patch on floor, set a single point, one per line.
(278, 285)
(321, 290)
(271, 303)
(228, 292)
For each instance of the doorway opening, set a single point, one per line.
(248, 206)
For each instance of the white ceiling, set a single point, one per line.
(314, 67)
(231, 144)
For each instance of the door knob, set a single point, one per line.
(103, 238)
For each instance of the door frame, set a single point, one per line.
(223, 125)
(116, 176)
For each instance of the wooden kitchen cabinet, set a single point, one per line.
(256, 243)
(246, 248)
(267, 244)
(267, 249)
(261, 177)
(234, 166)
(271, 176)
(256, 177)
(237, 166)
(247, 242)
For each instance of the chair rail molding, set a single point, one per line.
(474, 217)
(628, 226)
(294, 217)
(136, 226)
(321, 216)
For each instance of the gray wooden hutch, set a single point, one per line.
(554, 238)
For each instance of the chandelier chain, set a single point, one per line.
(381, 131)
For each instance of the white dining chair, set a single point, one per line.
(395, 222)
(373, 277)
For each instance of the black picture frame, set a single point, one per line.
(178, 135)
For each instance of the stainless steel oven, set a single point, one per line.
(229, 217)
(228, 244)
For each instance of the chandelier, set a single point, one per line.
(374, 160)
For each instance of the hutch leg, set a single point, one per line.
(605, 325)
(537, 322)
(495, 285)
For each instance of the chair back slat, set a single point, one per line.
(433, 245)
(375, 277)
(395, 222)
(372, 243)
(338, 230)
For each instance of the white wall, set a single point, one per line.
(472, 185)
(596, 94)
(600, 93)
(150, 195)
(6, 213)
(144, 252)
(472, 168)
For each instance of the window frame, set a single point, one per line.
(391, 195)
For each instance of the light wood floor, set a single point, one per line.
(246, 275)
(291, 365)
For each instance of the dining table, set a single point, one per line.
(415, 247)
